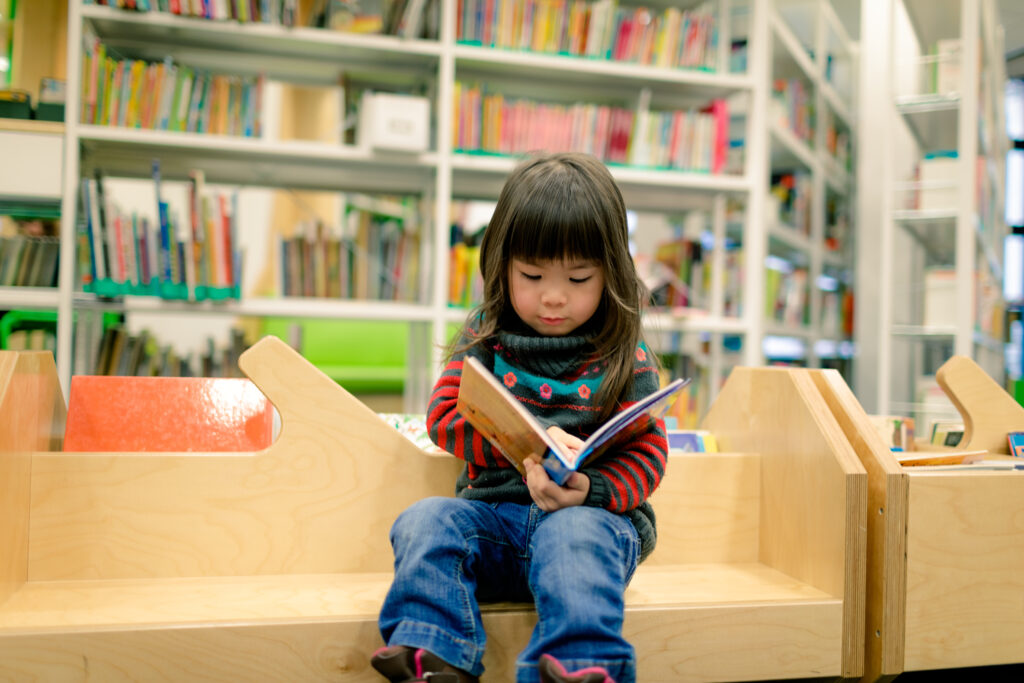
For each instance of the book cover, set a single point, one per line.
(518, 435)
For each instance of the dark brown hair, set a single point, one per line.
(561, 207)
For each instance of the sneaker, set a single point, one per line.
(400, 664)
(552, 671)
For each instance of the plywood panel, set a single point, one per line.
(886, 530)
(31, 419)
(322, 627)
(320, 499)
(813, 487)
(708, 508)
(965, 584)
(805, 461)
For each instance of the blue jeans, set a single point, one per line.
(573, 564)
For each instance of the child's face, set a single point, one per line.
(555, 297)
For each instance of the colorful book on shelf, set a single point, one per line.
(165, 255)
(599, 30)
(518, 435)
(692, 440)
(931, 458)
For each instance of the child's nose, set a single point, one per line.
(554, 296)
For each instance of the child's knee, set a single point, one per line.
(425, 518)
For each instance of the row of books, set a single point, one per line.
(601, 30)
(693, 140)
(134, 93)
(837, 311)
(837, 139)
(792, 193)
(679, 276)
(195, 257)
(37, 339)
(691, 440)
(837, 222)
(28, 261)
(407, 18)
(786, 295)
(374, 256)
(122, 353)
(793, 109)
(265, 11)
(787, 300)
(465, 285)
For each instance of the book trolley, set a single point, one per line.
(273, 564)
(945, 544)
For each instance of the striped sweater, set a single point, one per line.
(557, 381)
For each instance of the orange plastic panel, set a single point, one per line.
(177, 414)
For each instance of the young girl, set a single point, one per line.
(560, 326)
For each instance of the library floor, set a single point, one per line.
(1009, 672)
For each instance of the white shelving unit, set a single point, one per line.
(957, 224)
(316, 56)
(30, 185)
(811, 46)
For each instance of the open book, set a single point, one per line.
(517, 434)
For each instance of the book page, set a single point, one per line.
(630, 421)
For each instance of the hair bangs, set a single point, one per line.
(553, 226)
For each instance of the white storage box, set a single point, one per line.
(394, 122)
(940, 298)
(939, 189)
(32, 165)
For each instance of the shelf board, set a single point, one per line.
(934, 119)
(252, 161)
(305, 54)
(791, 237)
(788, 150)
(589, 72)
(660, 320)
(834, 259)
(33, 298)
(924, 332)
(691, 320)
(934, 231)
(29, 207)
(925, 217)
(295, 307)
(837, 177)
(483, 175)
(774, 328)
(32, 126)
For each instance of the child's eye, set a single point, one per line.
(579, 280)
(530, 276)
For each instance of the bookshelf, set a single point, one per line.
(811, 129)
(937, 201)
(29, 186)
(437, 68)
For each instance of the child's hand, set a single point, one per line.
(548, 495)
(566, 440)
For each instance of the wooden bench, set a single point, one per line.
(945, 586)
(273, 565)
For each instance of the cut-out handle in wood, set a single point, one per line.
(988, 412)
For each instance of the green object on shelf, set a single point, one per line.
(363, 356)
(12, 321)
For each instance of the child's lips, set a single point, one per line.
(552, 321)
